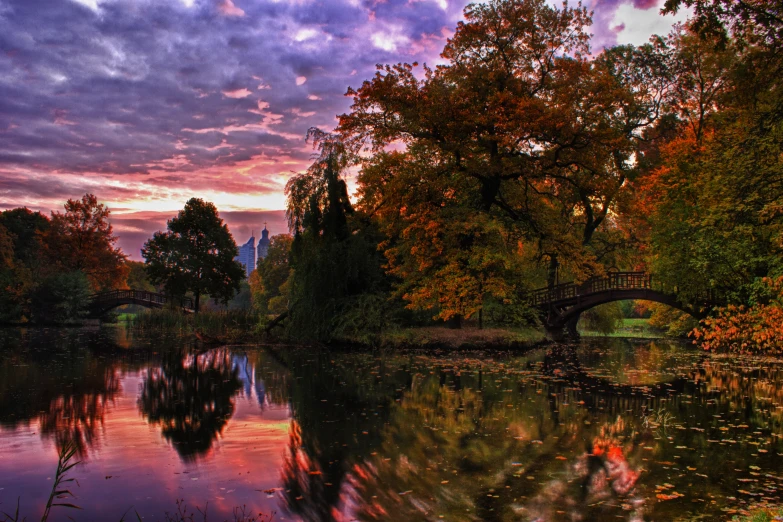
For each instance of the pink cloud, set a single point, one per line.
(237, 93)
(227, 8)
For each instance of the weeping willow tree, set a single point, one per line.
(337, 284)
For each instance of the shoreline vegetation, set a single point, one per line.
(245, 327)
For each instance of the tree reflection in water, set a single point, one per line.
(68, 388)
(190, 397)
(553, 435)
(77, 415)
(339, 408)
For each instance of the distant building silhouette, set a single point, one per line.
(263, 244)
(247, 255)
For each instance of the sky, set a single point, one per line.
(146, 103)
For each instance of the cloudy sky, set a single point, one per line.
(146, 103)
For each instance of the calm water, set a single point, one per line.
(610, 430)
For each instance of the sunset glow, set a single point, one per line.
(147, 104)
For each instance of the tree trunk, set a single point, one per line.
(481, 318)
(196, 301)
(552, 276)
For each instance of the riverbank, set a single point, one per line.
(442, 337)
(244, 327)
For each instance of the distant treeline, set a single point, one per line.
(51, 264)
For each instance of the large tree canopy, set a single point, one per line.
(195, 255)
(520, 145)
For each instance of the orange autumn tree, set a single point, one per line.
(82, 239)
(518, 149)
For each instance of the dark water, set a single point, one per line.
(610, 430)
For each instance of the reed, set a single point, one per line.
(230, 325)
(59, 490)
(240, 514)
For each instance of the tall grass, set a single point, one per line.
(59, 491)
(64, 465)
(240, 514)
(229, 325)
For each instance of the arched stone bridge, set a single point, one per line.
(105, 301)
(561, 305)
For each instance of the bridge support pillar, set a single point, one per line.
(573, 333)
(558, 331)
(555, 333)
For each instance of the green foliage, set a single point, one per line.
(25, 227)
(365, 318)
(244, 298)
(605, 318)
(334, 254)
(715, 193)
(674, 322)
(195, 255)
(137, 277)
(268, 281)
(62, 298)
(513, 313)
(22, 261)
(12, 281)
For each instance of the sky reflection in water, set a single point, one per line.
(632, 429)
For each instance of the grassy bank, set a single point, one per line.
(639, 328)
(238, 326)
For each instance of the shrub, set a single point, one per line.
(62, 298)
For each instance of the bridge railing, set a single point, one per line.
(140, 296)
(611, 281)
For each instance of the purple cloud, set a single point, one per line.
(147, 103)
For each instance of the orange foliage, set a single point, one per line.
(757, 328)
(82, 239)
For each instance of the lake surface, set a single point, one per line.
(609, 430)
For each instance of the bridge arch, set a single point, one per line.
(103, 302)
(624, 295)
(561, 305)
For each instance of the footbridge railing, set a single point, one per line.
(611, 281)
(112, 298)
